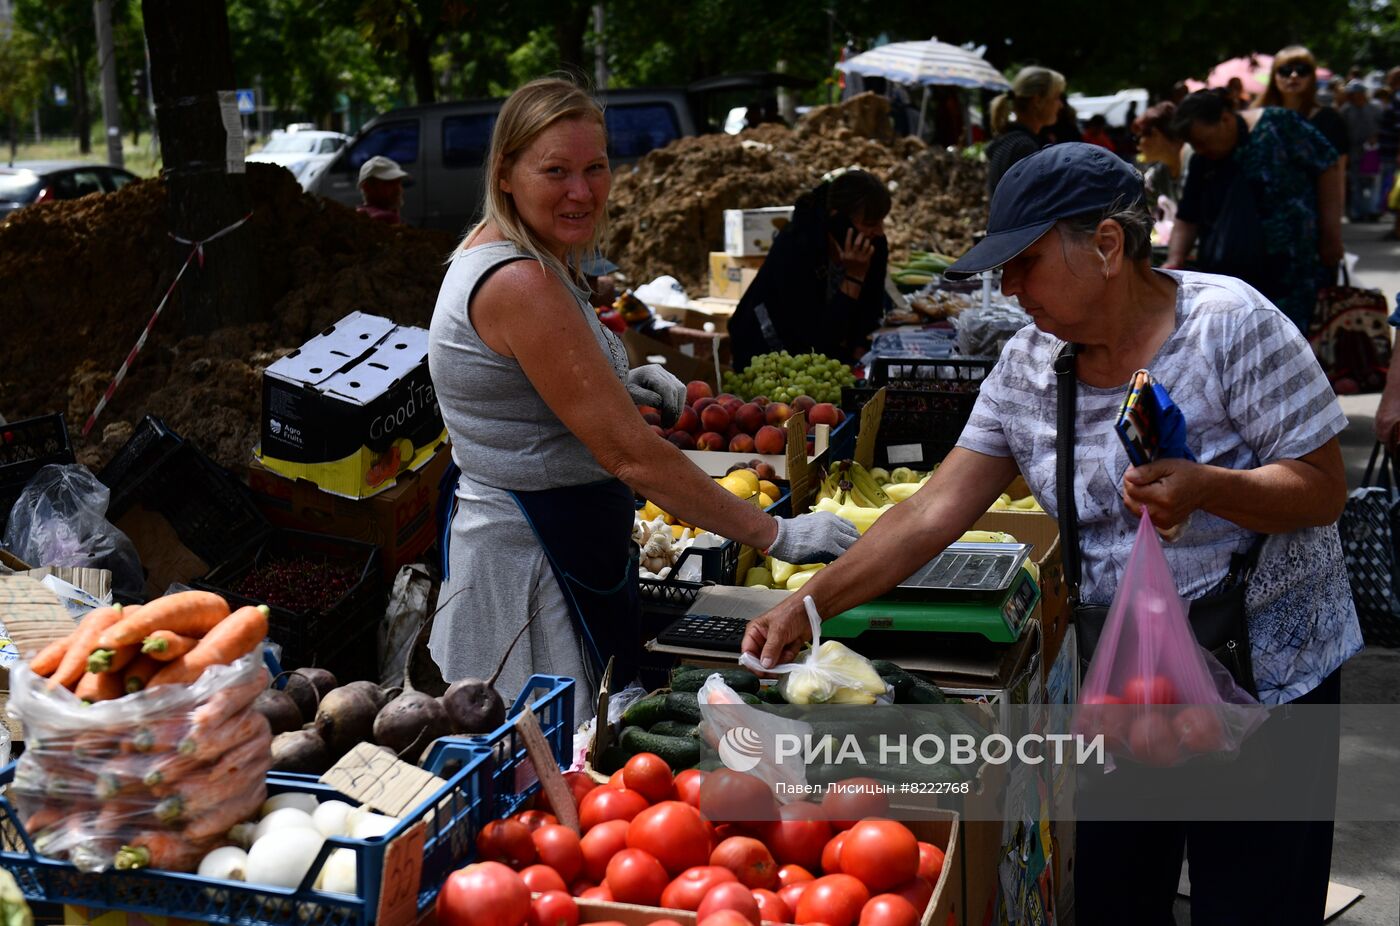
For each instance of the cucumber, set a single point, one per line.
(681, 705)
(690, 678)
(646, 711)
(769, 694)
(613, 758)
(680, 752)
(749, 697)
(924, 692)
(675, 728)
(900, 679)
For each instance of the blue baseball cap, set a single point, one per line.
(1054, 183)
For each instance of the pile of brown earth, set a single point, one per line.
(667, 213)
(79, 280)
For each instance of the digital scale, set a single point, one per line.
(978, 589)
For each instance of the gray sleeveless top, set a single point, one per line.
(503, 434)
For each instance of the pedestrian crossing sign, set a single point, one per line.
(247, 102)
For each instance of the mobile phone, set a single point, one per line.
(1139, 420)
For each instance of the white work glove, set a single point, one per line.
(818, 537)
(654, 385)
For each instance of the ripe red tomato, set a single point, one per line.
(579, 784)
(603, 804)
(615, 780)
(690, 887)
(1198, 728)
(541, 878)
(652, 923)
(730, 895)
(831, 854)
(853, 800)
(771, 907)
(888, 910)
(484, 894)
(579, 886)
(917, 891)
(792, 893)
(832, 899)
(789, 875)
(723, 918)
(798, 836)
(688, 785)
(730, 795)
(650, 776)
(635, 877)
(1104, 714)
(559, 848)
(599, 845)
(597, 892)
(1153, 740)
(930, 862)
(749, 859)
(1151, 689)
(507, 842)
(553, 908)
(673, 833)
(881, 853)
(534, 819)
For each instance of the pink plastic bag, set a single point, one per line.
(1156, 695)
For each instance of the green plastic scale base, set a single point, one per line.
(1000, 621)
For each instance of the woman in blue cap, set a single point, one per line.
(1070, 229)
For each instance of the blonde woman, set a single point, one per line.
(541, 409)
(1033, 102)
(1293, 85)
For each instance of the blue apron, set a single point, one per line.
(586, 533)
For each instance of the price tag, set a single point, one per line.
(374, 777)
(402, 877)
(870, 415)
(799, 473)
(547, 768)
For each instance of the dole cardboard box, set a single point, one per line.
(351, 408)
(750, 232)
(731, 275)
(400, 520)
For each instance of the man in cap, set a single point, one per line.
(1363, 120)
(381, 184)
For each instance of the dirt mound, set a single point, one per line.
(81, 278)
(668, 212)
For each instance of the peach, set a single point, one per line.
(682, 439)
(770, 440)
(750, 418)
(710, 441)
(730, 431)
(803, 403)
(659, 431)
(729, 397)
(741, 443)
(652, 418)
(764, 469)
(697, 389)
(824, 413)
(731, 405)
(777, 412)
(760, 400)
(715, 418)
(702, 404)
(648, 410)
(689, 421)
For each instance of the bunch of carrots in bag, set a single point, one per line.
(153, 758)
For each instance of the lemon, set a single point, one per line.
(764, 500)
(737, 486)
(768, 488)
(747, 478)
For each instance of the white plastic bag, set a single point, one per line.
(408, 609)
(748, 740)
(827, 673)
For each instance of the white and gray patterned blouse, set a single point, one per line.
(1252, 393)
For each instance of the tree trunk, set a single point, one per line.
(570, 28)
(81, 117)
(420, 48)
(191, 62)
(14, 137)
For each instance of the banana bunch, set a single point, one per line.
(1007, 503)
(850, 483)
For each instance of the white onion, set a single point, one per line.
(366, 824)
(338, 874)
(226, 864)
(283, 857)
(298, 799)
(330, 818)
(283, 819)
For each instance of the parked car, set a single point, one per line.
(303, 153)
(443, 146)
(23, 183)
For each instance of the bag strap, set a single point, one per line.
(1066, 389)
(1388, 475)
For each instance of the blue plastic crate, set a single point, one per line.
(453, 816)
(513, 775)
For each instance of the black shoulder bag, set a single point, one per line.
(1218, 620)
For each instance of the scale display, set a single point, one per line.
(984, 568)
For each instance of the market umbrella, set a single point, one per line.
(930, 63)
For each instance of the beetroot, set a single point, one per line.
(410, 722)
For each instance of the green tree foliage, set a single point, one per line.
(24, 64)
(66, 27)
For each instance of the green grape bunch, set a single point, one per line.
(782, 377)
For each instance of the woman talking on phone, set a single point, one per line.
(821, 287)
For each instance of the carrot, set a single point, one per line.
(234, 637)
(99, 686)
(94, 744)
(74, 661)
(192, 613)
(120, 776)
(43, 818)
(46, 661)
(166, 645)
(226, 778)
(218, 820)
(159, 849)
(208, 746)
(157, 736)
(115, 815)
(229, 701)
(112, 660)
(138, 675)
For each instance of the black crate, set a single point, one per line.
(344, 637)
(927, 403)
(937, 374)
(718, 566)
(148, 445)
(25, 448)
(210, 511)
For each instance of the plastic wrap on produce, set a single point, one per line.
(152, 779)
(983, 332)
